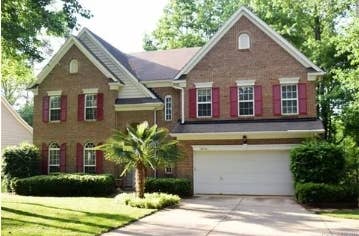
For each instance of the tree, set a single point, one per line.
(311, 25)
(141, 147)
(27, 112)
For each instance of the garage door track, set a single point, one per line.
(238, 215)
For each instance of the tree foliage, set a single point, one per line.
(27, 112)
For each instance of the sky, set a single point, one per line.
(122, 23)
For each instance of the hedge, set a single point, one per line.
(65, 185)
(150, 201)
(320, 193)
(177, 186)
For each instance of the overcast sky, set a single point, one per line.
(122, 23)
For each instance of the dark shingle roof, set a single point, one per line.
(137, 100)
(250, 126)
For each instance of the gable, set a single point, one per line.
(279, 40)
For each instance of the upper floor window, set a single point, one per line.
(89, 158)
(74, 66)
(90, 106)
(244, 41)
(54, 158)
(246, 100)
(168, 107)
(55, 108)
(289, 99)
(204, 102)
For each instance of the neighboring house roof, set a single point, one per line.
(261, 25)
(160, 65)
(250, 126)
(14, 129)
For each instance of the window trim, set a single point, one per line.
(85, 106)
(74, 66)
(249, 41)
(49, 156)
(168, 172)
(83, 156)
(210, 102)
(171, 110)
(253, 101)
(58, 108)
(288, 99)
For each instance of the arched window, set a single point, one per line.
(54, 158)
(89, 158)
(168, 107)
(74, 66)
(244, 41)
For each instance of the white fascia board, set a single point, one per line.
(289, 80)
(139, 107)
(115, 85)
(129, 74)
(54, 93)
(62, 51)
(243, 147)
(203, 85)
(313, 76)
(249, 135)
(157, 83)
(245, 82)
(90, 90)
(261, 25)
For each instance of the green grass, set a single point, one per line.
(38, 216)
(345, 213)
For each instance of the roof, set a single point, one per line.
(16, 115)
(160, 65)
(250, 126)
(137, 100)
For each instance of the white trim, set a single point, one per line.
(210, 102)
(83, 156)
(54, 93)
(165, 108)
(313, 76)
(115, 85)
(261, 25)
(54, 108)
(250, 135)
(241, 47)
(62, 51)
(16, 115)
(139, 107)
(288, 99)
(129, 74)
(49, 157)
(157, 83)
(244, 147)
(90, 90)
(245, 82)
(35, 91)
(90, 107)
(74, 66)
(289, 80)
(204, 85)
(182, 102)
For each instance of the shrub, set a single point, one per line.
(151, 200)
(178, 186)
(20, 162)
(312, 193)
(317, 162)
(65, 185)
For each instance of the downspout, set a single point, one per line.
(155, 117)
(182, 102)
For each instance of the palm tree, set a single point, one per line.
(141, 147)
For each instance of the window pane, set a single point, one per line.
(90, 169)
(91, 113)
(246, 93)
(91, 100)
(54, 158)
(55, 102)
(204, 109)
(289, 106)
(246, 108)
(289, 91)
(54, 169)
(204, 95)
(55, 114)
(168, 108)
(90, 157)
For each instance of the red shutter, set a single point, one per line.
(45, 108)
(215, 102)
(63, 157)
(276, 100)
(79, 158)
(44, 158)
(63, 107)
(258, 100)
(99, 161)
(233, 96)
(192, 102)
(99, 106)
(81, 107)
(302, 97)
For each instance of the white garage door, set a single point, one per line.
(262, 172)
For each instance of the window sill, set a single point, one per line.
(55, 121)
(290, 114)
(90, 120)
(204, 117)
(245, 116)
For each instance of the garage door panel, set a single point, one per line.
(242, 172)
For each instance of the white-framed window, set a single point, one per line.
(204, 102)
(168, 107)
(54, 158)
(168, 170)
(89, 158)
(90, 106)
(55, 108)
(246, 101)
(289, 99)
(73, 66)
(244, 41)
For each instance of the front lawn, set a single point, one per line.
(22, 215)
(345, 213)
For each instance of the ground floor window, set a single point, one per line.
(168, 170)
(89, 158)
(54, 158)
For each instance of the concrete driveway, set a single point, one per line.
(238, 215)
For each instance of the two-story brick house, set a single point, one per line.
(237, 105)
